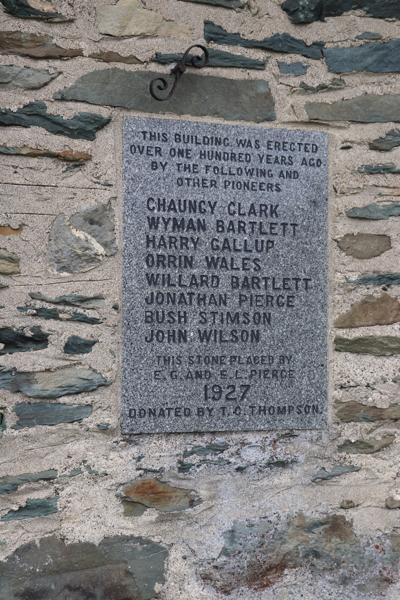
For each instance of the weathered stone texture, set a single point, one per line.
(197, 95)
(392, 503)
(337, 471)
(128, 17)
(54, 314)
(370, 446)
(14, 340)
(34, 46)
(280, 42)
(11, 483)
(149, 492)
(382, 279)
(27, 78)
(375, 58)
(308, 11)
(371, 311)
(78, 345)
(383, 345)
(83, 126)
(364, 245)
(322, 87)
(83, 241)
(378, 169)
(118, 568)
(369, 108)
(296, 68)
(32, 509)
(51, 384)
(384, 144)
(33, 9)
(375, 212)
(361, 413)
(110, 56)
(45, 413)
(223, 3)
(65, 155)
(9, 263)
(96, 301)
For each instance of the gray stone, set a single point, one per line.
(280, 42)
(15, 340)
(27, 78)
(83, 126)
(378, 345)
(53, 313)
(198, 95)
(10, 483)
(78, 345)
(129, 17)
(45, 413)
(216, 58)
(382, 279)
(149, 492)
(392, 503)
(378, 169)
(110, 56)
(118, 568)
(323, 87)
(83, 241)
(375, 212)
(32, 509)
(258, 554)
(337, 471)
(364, 245)
(9, 263)
(223, 3)
(3, 426)
(369, 35)
(370, 446)
(28, 9)
(373, 58)
(296, 68)
(51, 384)
(216, 448)
(371, 311)
(347, 504)
(34, 46)
(369, 108)
(360, 413)
(390, 141)
(96, 301)
(308, 11)
(155, 388)
(66, 155)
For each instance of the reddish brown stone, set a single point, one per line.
(151, 493)
(66, 155)
(371, 311)
(7, 230)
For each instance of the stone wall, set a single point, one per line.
(88, 513)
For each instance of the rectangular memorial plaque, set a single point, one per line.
(225, 277)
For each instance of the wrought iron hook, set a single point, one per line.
(196, 61)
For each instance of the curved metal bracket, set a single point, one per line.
(196, 61)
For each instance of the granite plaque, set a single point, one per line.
(225, 277)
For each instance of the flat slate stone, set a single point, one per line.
(382, 279)
(216, 58)
(110, 56)
(236, 175)
(51, 384)
(78, 345)
(223, 3)
(369, 35)
(96, 301)
(24, 9)
(34, 46)
(370, 57)
(280, 42)
(369, 108)
(11, 483)
(370, 446)
(337, 471)
(390, 141)
(65, 155)
(378, 169)
(9, 263)
(378, 345)
(197, 95)
(118, 568)
(33, 508)
(323, 87)
(296, 68)
(82, 126)
(53, 313)
(45, 413)
(149, 492)
(371, 311)
(360, 413)
(375, 212)
(12, 77)
(364, 245)
(308, 11)
(15, 340)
